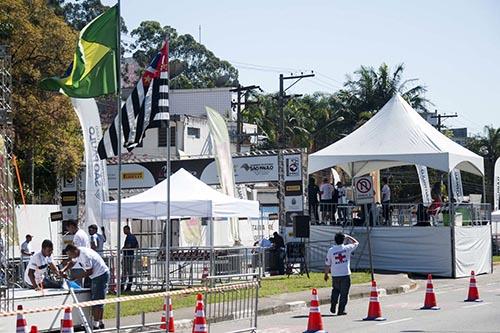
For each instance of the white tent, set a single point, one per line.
(396, 135)
(190, 197)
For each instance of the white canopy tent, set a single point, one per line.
(190, 197)
(397, 135)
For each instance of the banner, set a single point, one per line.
(222, 146)
(456, 186)
(423, 178)
(96, 177)
(496, 186)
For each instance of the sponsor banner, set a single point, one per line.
(496, 186)
(423, 178)
(293, 170)
(294, 203)
(456, 185)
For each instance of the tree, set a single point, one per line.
(192, 65)
(47, 132)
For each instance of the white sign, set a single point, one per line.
(293, 170)
(248, 169)
(363, 190)
(496, 186)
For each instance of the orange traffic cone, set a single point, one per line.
(67, 322)
(171, 327)
(430, 298)
(21, 322)
(34, 329)
(200, 322)
(374, 309)
(473, 295)
(315, 322)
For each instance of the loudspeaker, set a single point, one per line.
(301, 226)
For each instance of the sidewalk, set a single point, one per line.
(387, 284)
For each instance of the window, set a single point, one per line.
(162, 137)
(194, 132)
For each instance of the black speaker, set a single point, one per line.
(301, 226)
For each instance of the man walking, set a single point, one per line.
(129, 247)
(337, 262)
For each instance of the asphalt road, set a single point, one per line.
(402, 312)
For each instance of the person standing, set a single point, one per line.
(96, 240)
(312, 196)
(80, 237)
(338, 260)
(342, 202)
(386, 200)
(326, 193)
(96, 270)
(36, 270)
(26, 251)
(129, 247)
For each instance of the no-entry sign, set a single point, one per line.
(363, 190)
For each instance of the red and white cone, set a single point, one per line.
(430, 302)
(34, 329)
(374, 309)
(200, 321)
(21, 326)
(171, 327)
(315, 322)
(473, 295)
(67, 322)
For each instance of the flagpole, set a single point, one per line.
(119, 224)
(167, 226)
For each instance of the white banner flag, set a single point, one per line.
(224, 161)
(456, 186)
(496, 186)
(96, 184)
(423, 178)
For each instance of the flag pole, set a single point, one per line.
(167, 226)
(119, 222)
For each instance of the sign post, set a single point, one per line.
(364, 195)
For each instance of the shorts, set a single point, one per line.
(99, 287)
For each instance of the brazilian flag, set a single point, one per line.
(93, 71)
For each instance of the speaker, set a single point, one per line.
(301, 226)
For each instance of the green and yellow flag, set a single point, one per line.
(93, 70)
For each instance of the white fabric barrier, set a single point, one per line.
(472, 250)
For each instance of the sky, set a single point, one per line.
(451, 46)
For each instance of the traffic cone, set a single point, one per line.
(374, 309)
(473, 295)
(67, 322)
(200, 322)
(314, 323)
(430, 298)
(21, 322)
(34, 329)
(171, 327)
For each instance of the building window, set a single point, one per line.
(162, 137)
(193, 132)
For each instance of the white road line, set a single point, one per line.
(394, 321)
(492, 284)
(475, 305)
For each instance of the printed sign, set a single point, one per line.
(363, 190)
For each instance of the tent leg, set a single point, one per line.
(452, 228)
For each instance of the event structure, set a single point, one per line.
(395, 136)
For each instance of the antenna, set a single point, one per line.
(199, 33)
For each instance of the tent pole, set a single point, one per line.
(451, 214)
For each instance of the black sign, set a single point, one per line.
(69, 198)
(293, 188)
(56, 216)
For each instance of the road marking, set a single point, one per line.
(492, 284)
(448, 290)
(475, 305)
(394, 321)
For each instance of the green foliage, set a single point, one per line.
(192, 65)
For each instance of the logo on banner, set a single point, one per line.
(292, 166)
(258, 169)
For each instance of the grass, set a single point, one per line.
(496, 258)
(269, 286)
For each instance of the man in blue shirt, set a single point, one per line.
(130, 244)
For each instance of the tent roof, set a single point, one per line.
(190, 197)
(396, 135)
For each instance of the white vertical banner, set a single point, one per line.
(96, 178)
(423, 179)
(496, 186)
(220, 141)
(456, 185)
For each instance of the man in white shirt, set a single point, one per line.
(337, 262)
(80, 237)
(26, 251)
(326, 200)
(95, 269)
(35, 273)
(386, 199)
(96, 240)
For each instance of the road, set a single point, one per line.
(402, 312)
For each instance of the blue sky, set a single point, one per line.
(453, 47)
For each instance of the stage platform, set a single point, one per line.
(45, 321)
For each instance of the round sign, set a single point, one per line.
(363, 185)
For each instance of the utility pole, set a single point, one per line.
(281, 103)
(442, 116)
(241, 91)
